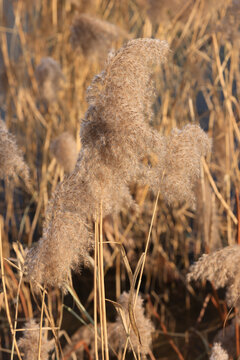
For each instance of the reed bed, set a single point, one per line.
(119, 166)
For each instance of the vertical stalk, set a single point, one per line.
(5, 292)
(40, 325)
(16, 314)
(95, 291)
(118, 263)
(99, 289)
(237, 337)
(102, 289)
(146, 247)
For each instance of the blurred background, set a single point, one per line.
(49, 52)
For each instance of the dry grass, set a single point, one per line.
(136, 125)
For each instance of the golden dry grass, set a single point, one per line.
(45, 71)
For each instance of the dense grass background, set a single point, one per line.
(199, 84)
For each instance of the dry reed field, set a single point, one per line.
(120, 179)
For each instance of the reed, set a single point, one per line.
(64, 149)
(29, 343)
(158, 134)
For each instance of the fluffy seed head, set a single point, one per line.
(218, 353)
(116, 123)
(144, 325)
(29, 343)
(65, 244)
(49, 77)
(94, 37)
(11, 158)
(115, 137)
(227, 338)
(184, 149)
(221, 268)
(64, 148)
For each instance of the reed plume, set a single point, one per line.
(94, 37)
(218, 353)
(221, 268)
(11, 158)
(29, 343)
(116, 333)
(115, 137)
(64, 148)
(49, 77)
(144, 326)
(227, 338)
(182, 164)
(116, 126)
(66, 239)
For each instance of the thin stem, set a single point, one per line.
(16, 314)
(40, 325)
(146, 247)
(95, 292)
(99, 290)
(5, 293)
(103, 287)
